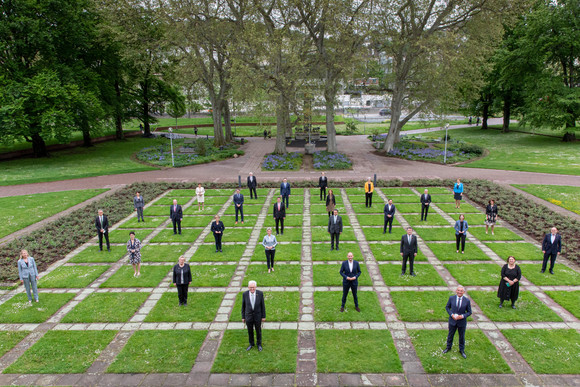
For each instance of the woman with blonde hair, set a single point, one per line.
(28, 273)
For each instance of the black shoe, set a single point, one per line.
(174, 233)
(220, 250)
(384, 232)
(342, 309)
(249, 347)
(463, 354)
(332, 248)
(338, 249)
(541, 271)
(282, 233)
(180, 233)
(138, 220)
(501, 305)
(259, 348)
(402, 273)
(101, 250)
(357, 309)
(390, 232)
(109, 250)
(513, 306)
(216, 250)
(413, 274)
(446, 350)
(551, 271)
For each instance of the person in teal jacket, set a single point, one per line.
(458, 192)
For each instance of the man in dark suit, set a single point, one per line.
(176, 214)
(322, 183)
(239, 204)
(408, 250)
(252, 184)
(335, 229)
(551, 247)
(285, 192)
(459, 309)
(425, 202)
(350, 271)
(279, 214)
(102, 226)
(389, 215)
(253, 313)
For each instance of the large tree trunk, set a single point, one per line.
(329, 97)
(396, 105)
(120, 135)
(218, 134)
(485, 112)
(39, 146)
(227, 122)
(281, 112)
(87, 142)
(507, 105)
(145, 107)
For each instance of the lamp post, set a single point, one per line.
(170, 130)
(445, 155)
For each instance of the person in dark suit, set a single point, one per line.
(425, 202)
(350, 271)
(182, 280)
(551, 247)
(253, 313)
(139, 203)
(461, 227)
(334, 229)
(285, 192)
(279, 214)
(239, 204)
(176, 214)
(217, 228)
(322, 184)
(102, 226)
(389, 216)
(252, 184)
(459, 309)
(408, 250)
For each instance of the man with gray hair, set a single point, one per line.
(459, 309)
(253, 313)
(102, 226)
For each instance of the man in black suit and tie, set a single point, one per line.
(350, 271)
(408, 250)
(239, 204)
(425, 202)
(335, 229)
(279, 214)
(252, 184)
(551, 247)
(253, 313)
(176, 214)
(322, 183)
(285, 192)
(389, 215)
(459, 309)
(102, 226)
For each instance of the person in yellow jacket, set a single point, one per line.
(369, 189)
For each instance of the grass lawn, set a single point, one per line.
(290, 234)
(157, 211)
(106, 307)
(406, 208)
(17, 310)
(482, 357)
(230, 235)
(554, 351)
(376, 234)
(285, 252)
(435, 190)
(62, 352)
(397, 191)
(159, 352)
(327, 307)
(321, 252)
(9, 339)
(209, 276)
(71, 276)
(529, 308)
(186, 236)
(290, 221)
(293, 209)
(376, 208)
(318, 210)
(421, 306)
(230, 221)
(149, 222)
(167, 308)
(433, 219)
(122, 235)
(374, 352)
(193, 210)
(194, 221)
(447, 252)
(162, 253)
(278, 356)
(426, 275)
(481, 274)
(92, 255)
(501, 234)
(436, 234)
(322, 220)
(406, 199)
(320, 234)
(280, 306)
(383, 252)
(151, 276)
(206, 253)
(563, 275)
(329, 275)
(447, 197)
(250, 209)
(22, 211)
(167, 200)
(521, 251)
(564, 196)
(283, 275)
(454, 212)
(373, 220)
(569, 300)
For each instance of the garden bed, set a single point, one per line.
(324, 160)
(286, 162)
(415, 148)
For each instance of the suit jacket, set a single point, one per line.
(138, 202)
(425, 200)
(323, 183)
(407, 247)
(284, 190)
(464, 309)
(259, 311)
(238, 199)
(457, 227)
(334, 228)
(330, 199)
(278, 214)
(345, 272)
(391, 212)
(175, 215)
(27, 271)
(217, 226)
(253, 183)
(104, 226)
(177, 274)
(550, 247)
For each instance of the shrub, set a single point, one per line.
(200, 146)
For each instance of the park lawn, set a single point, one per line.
(426, 275)
(435, 190)
(278, 356)
(107, 158)
(151, 276)
(528, 307)
(9, 339)
(321, 234)
(92, 255)
(373, 220)
(564, 196)
(292, 221)
(62, 352)
(322, 252)
(482, 356)
(17, 310)
(547, 351)
(454, 212)
(396, 191)
(71, 276)
(563, 275)
(406, 199)
(159, 352)
(384, 252)
(292, 234)
(320, 209)
(206, 253)
(167, 200)
(194, 221)
(376, 234)
(329, 275)
(231, 235)
(501, 234)
(282, 306)
(157, 211)
(315, 198)
(211, 276)
(168, 309)
(376, 208)
(436, 234)
(122, 236)
(447, 197)
(283, 275)
(327, 307)
(284, 252)
(433, 219)
(421, 306)
(521, 251)
(322, 220)
(568, 300)
(22, 211)
(106, 308)
(148, 222)
(230, 221)
(193, 210)
(250, 209)
(406, 208)
(481, 274)
(292, 209)
(162, 253)
(374, 352)
(167, 236)
(447, 252)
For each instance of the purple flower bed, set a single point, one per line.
(286, 162)
(328, 160)
(423, 153)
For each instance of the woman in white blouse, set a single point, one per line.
(200, 192)
(269, 244)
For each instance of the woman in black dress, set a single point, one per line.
(490, 215)
(182, 279)
(509, 286)
(217, 227)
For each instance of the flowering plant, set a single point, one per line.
(329, 160)
(285, 162)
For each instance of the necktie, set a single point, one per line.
(253, 299)
(553, 238)
(335, 220)
(409, 238)
(101, 220)
(458, 303)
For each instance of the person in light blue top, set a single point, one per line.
(461, 227)
(28, 273)
(269, 244)
(458, 192)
